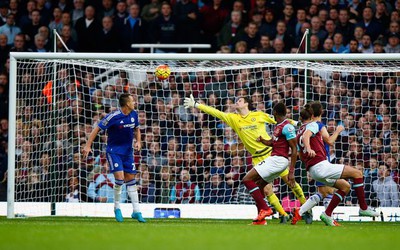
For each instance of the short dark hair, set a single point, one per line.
(280, 109)
(248, 100)
(317, 108)
(306, 112)
(123, 99)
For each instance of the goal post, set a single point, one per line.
(56, 99)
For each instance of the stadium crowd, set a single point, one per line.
(187, 156)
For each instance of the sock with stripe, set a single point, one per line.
(338, 196)
(255, 192)
(358, 185)
(310, 203)
(274, 201)
(133, 194)
(117, 192)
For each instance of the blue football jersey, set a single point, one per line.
(320, 126)
(120, 130)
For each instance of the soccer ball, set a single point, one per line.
(162, 72)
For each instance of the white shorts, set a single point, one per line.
(326, 172)
(270, 168)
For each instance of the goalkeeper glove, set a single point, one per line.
(189, 102)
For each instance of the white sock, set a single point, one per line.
(117, 195)
(133, 194)
(327, 200)
(310, 203)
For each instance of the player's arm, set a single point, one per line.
(189, 102)
(88, 148)
(265, 142)
(330, 140)
(293, 159)
(138, 139)
(306, 140)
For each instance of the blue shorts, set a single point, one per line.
(319, 184)
(121, 163)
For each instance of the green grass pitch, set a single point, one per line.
(105, 233)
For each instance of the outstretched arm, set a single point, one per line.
(88, 148)
(189, 102)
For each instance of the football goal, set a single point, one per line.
(190, 161)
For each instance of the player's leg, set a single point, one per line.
(116, 167)
(131, 187)
(249, 181)
(296, 189)
(358, 185)
(327, 193)
(274, 201)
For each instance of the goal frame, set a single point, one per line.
(14, 56)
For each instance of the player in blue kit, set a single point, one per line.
(122, 128)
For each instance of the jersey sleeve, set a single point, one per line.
(313, 127)
(226, 117)
(105, 123)
(289, 132)
(320, 125)
(266, 118)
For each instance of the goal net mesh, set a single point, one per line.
(59, 102)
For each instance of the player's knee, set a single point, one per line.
(346, 187)
(268, 190)
(358, 174)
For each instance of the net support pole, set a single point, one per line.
(11, 138)
(306, 49)
(53, 99)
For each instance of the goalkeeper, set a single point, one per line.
(250, 125)
(122, 128)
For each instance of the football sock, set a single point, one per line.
(358, 185)
(274, 201)
(298, 192)
(117, 192)
(133, 194)
(338, 196)
(327, 200)
(310, 203)
(255, 192)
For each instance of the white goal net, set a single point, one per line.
(57, 100)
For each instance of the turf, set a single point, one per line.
(105, 233)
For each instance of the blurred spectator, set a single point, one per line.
(187, 14)
(165, 28)
(78, 11)
(10, 29)
(146, 188)
(133, 30)
(101, 186)
(212, 17)
(32, 28)
(151, 10)
(88, 30)
(184, 190)
(231, 31)
(164, 185)
(366, 44)
(73, 190)
(216, 190)
(369, 24)
(378, 47)
(386, 189)
(393, 45)
(109, 41)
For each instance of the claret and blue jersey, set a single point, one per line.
(121, 131)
